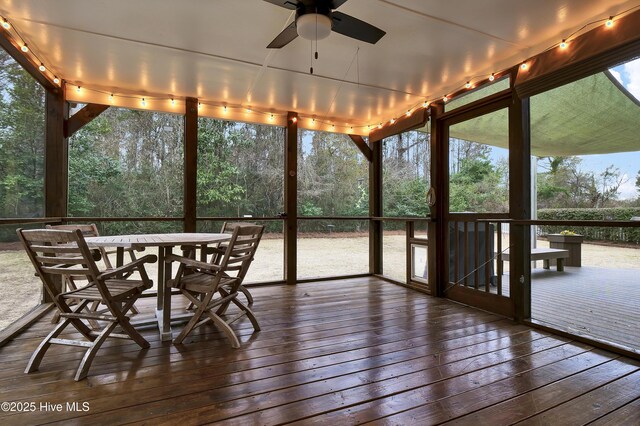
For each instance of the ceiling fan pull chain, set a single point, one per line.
(311, 62)
(316, 33)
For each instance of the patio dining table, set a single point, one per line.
(165, 244)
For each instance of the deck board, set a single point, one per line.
(344, 351)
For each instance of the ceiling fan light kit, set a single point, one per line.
(313, 26)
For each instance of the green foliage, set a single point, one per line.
(21, 141)
(628, 235)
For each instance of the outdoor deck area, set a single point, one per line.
(343, 351)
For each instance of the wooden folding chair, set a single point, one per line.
(212, 286)
(59, 253)
(227, 228)
(91, 230)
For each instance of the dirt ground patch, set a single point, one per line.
(319, 255)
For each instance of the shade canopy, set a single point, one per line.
(594, 115)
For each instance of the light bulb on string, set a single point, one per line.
(56, 80)
(445, 98)
(294, 120)
(393, 120)
(248, 110)
(111, 98)
(270, 117)
(199, 105)
(408, 113)
(609, 22)
(24, 48)
(5, 24)
(524, 66)
(563, 44)
(78, 89)
(143, 102)
(468, 85)
(42, 68)
(425, 104)
(380, 126)
(492, 77)
(333, 127)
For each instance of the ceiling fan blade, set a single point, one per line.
(285, 37)
(337, 3)
(355, 28)
(287, 4)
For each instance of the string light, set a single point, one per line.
(408, 113)
(56, 80)
(110, 97)
(143, 102)
(199, 105)
(5, 24)
(42, 68)
(313, 121)
(524, 66)
(78, 89)
(248, 110)
(609, 22)
(333, 126)
(224, 108)
(380, 126)
(445, 98)
(425, 104)
(492, 77)
(393, 120)
(563, 44)
(294, 120)
(271, 117)
(25, 48)
(468, 85)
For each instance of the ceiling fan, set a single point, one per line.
(315, 19)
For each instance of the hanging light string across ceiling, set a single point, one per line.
(471, 82)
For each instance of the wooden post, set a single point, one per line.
(520, 207)
(375, 208)
(291, 199)
(56, 162)
(190, 164)
(438, 254)
(83, 117)
(56, 180)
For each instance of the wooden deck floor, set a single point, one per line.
(339, 352)
(594, 302)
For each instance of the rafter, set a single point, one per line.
(82, 118)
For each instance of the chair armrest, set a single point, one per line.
(191, 262)
(150, 258)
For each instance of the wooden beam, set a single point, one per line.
(404, 123)
(291, 199)
(86, 115)
(362, 146)
(56, 161)
(375, 209)
(520, 207)
(9, 45)
(190, 164)
(56, 156)
(587, 54)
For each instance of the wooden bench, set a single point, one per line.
(544, 254)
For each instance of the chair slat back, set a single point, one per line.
(88, 230)
(241, 248)
(56, 253)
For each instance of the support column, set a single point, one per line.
(56, 163)
(190, 164)
(375, 207)
(291, 199)
(438, 253)
(520, 206)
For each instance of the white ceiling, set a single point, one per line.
(215, 50)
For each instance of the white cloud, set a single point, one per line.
(632, 71)
(617, 75)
